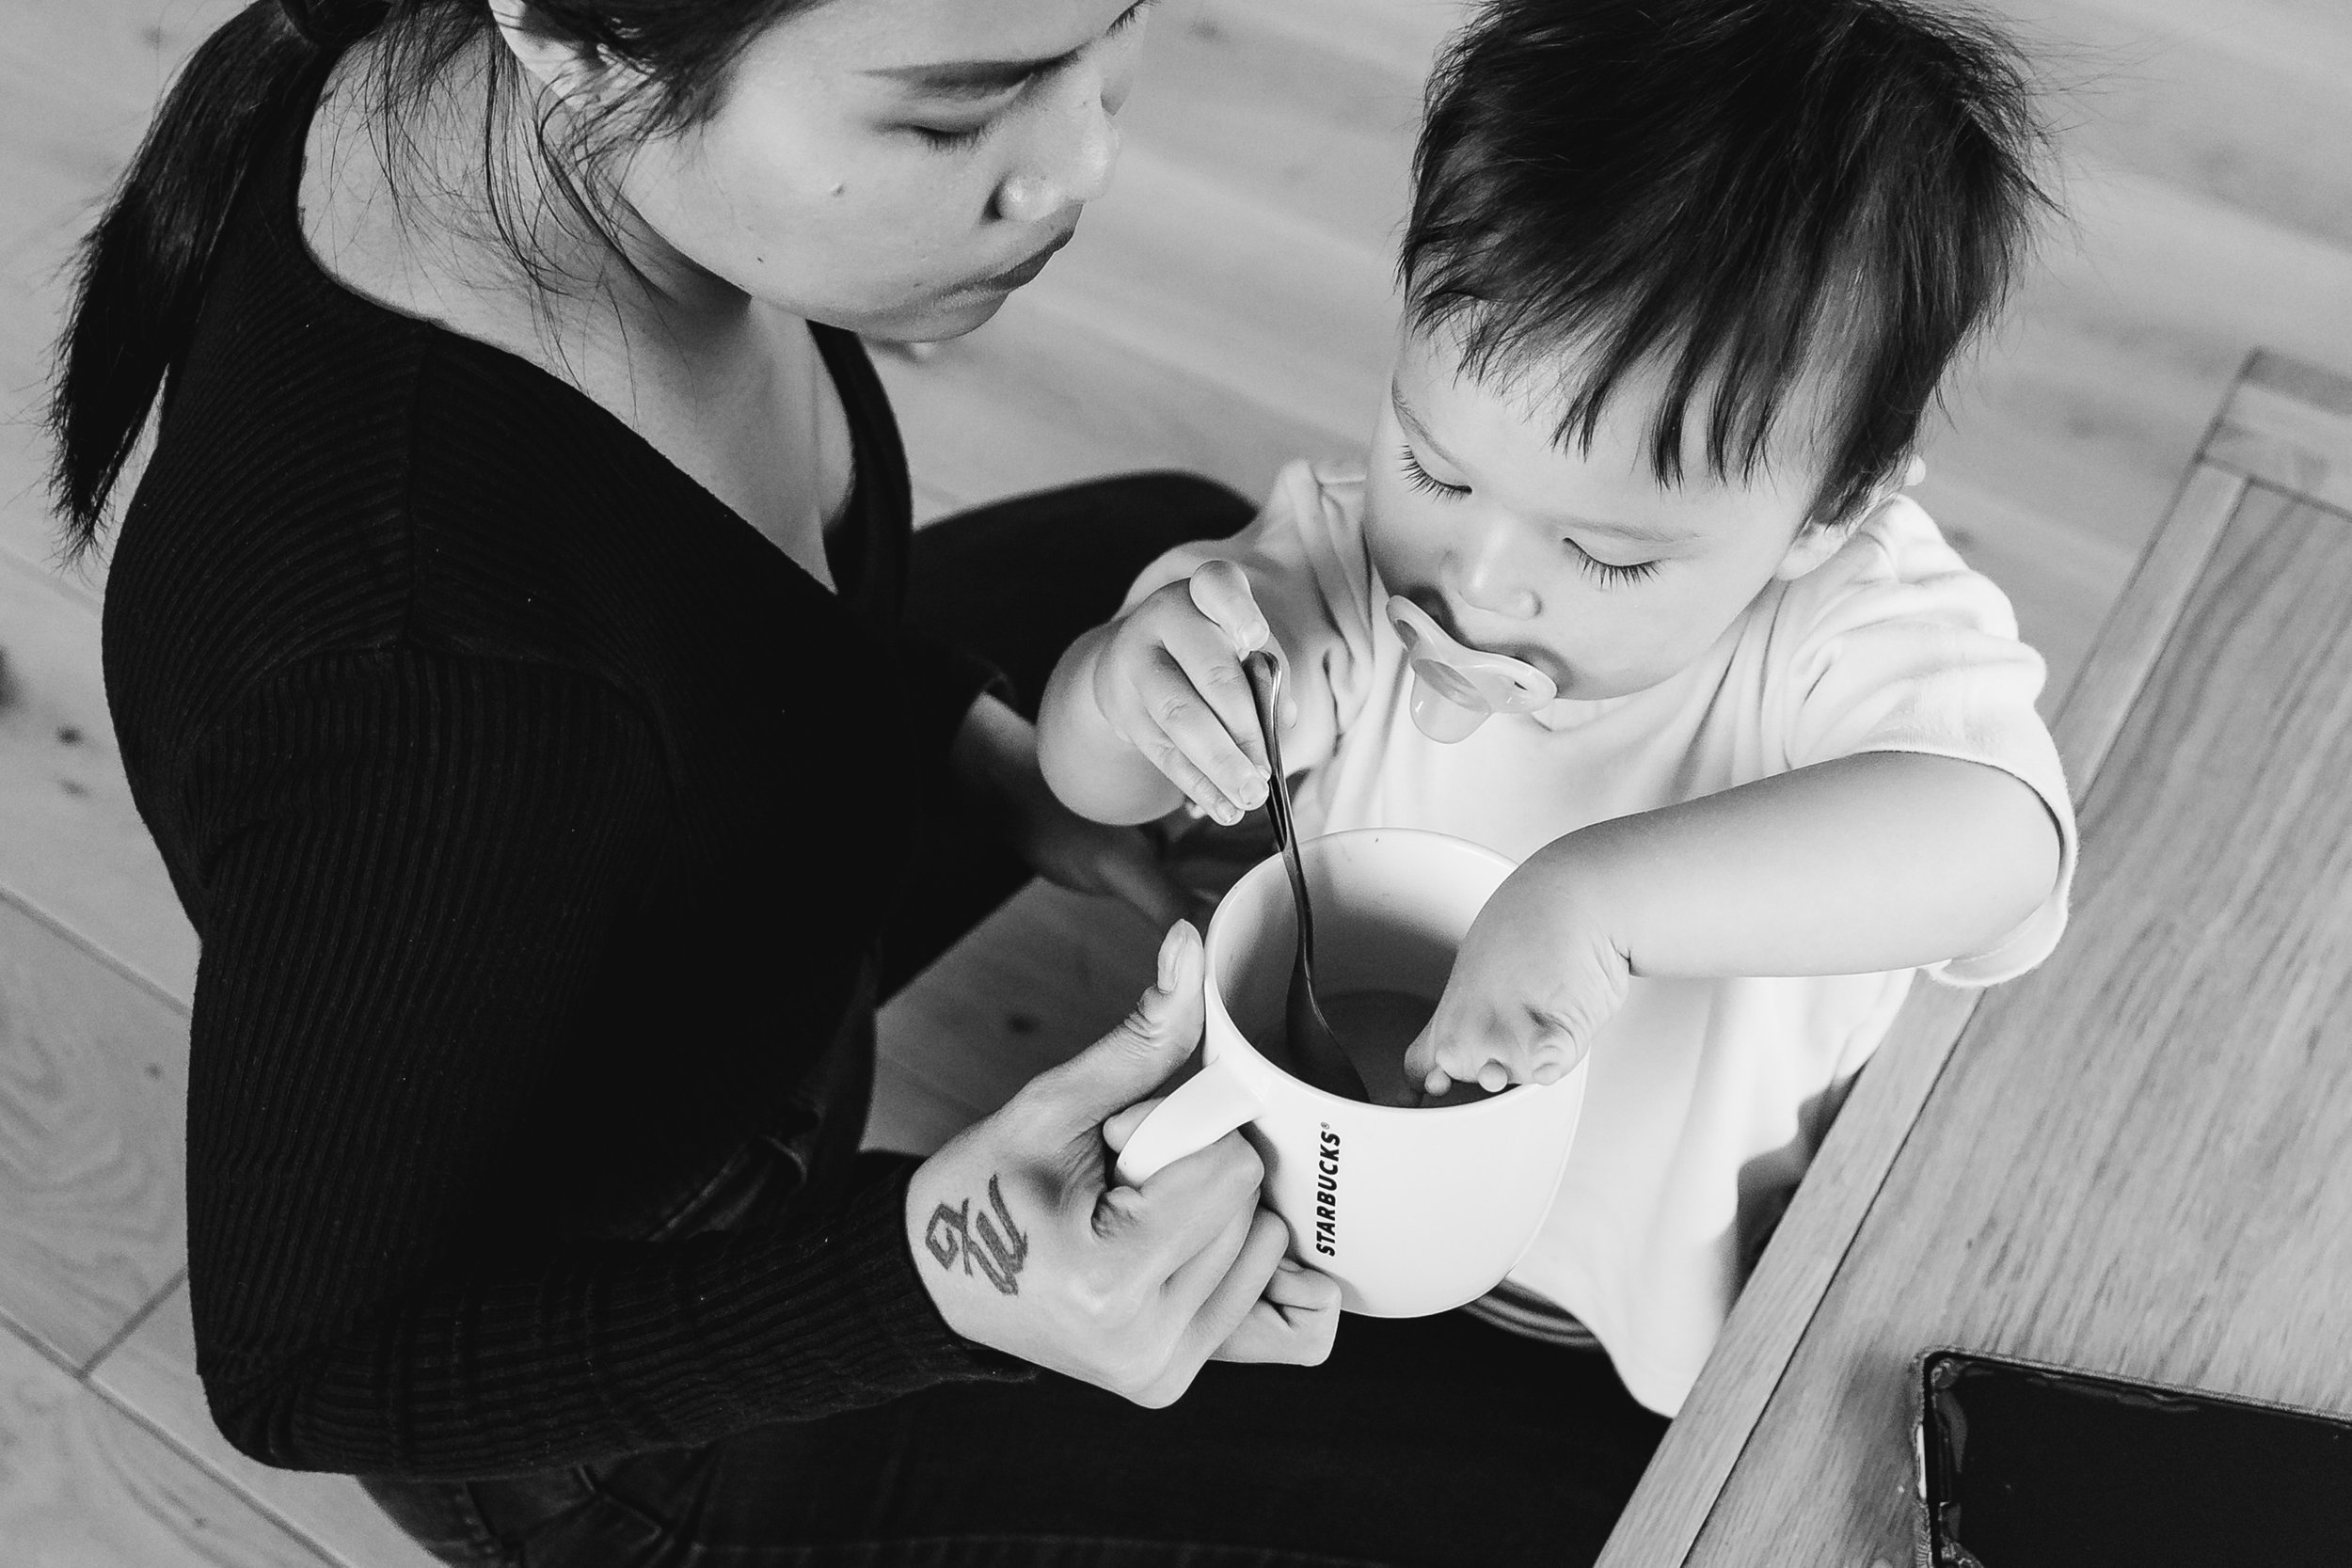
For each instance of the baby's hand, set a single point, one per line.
(1169, 683)
(1535, 981)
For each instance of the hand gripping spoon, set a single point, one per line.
(1315, 1047)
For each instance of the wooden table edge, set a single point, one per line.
(1671, 1506)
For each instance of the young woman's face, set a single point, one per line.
(897, 167)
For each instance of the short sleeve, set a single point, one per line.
(1304, 553)
(1894, 644)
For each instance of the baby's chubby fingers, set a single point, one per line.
(1493, 1050)
(1221, 591)
(1220, 733)
(1171, 684)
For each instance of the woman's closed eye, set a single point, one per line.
(942, 139)
(964, 137)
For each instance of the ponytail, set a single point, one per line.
(143, 268)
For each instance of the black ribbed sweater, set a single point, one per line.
(537, 845)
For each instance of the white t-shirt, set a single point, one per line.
(1704, 1100)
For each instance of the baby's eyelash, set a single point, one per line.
(1420, 477)
(1607, 574)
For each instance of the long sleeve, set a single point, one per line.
(413, 867)
(941, 684)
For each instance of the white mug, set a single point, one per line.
(1412, 1211)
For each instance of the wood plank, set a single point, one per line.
(1038, 397)
(2289, 425)
(93, 1085)
(153, 1374)
(72, 844)
(83, 1485)
(1297, 107)
(1272, 312)
(2095, 395)
(1713, 1428)
(1779, 1301)
(2240, 102)
(2102, 695)
(2133, 1163)
(1035, 984)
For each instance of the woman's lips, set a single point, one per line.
(1022, 272)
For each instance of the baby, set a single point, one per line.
(1627, 591)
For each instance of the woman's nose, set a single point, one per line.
(1493, 575)
(1073, 154)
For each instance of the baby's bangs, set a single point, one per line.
(1739, 377)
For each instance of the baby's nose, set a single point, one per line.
(1489, 583)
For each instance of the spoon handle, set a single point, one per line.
(1266, 691)
(1315, 1047)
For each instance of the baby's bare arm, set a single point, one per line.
(1887, 860)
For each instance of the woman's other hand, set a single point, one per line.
(1028, 1244)
(996, 759)
(1298, 1316)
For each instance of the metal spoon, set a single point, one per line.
(1315, 1047)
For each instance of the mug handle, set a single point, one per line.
(1211, 1104)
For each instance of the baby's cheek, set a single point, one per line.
(1398, 541)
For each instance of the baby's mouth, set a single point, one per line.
(1457, 686)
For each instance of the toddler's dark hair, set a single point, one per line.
(1733, 192)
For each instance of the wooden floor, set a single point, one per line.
(1227, 307)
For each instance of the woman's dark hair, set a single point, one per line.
(1734, 192)
(144, 265)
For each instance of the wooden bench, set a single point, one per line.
(2133, 1160)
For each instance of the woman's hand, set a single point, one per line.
(1534, 980)
(1029, 1244)
(996, 758)
(1301, 1306)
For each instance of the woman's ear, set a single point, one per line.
(566, 67)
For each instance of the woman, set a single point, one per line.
(510, 646)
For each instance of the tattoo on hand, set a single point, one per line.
(999, 1253)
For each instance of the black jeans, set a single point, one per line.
(1433, 1441)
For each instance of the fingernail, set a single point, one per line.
(1254, 794)
(1171, 952)
(1227, 813)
